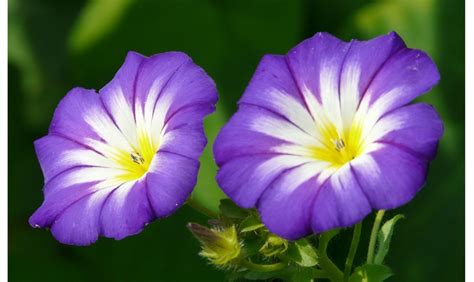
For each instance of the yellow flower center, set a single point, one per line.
(339, 148)
(136, 162)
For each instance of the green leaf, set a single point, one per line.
(98, 18)
(303, 253)
(231, 210)
(384, 237)
(251, 223)
(371, 273)
(302, 274)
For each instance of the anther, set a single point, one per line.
(137, 158)
(339, 144)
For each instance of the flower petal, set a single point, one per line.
(406, 75)
(289, 199)
(79, 224)
(81, 117)
(341, 202)
(362, 62)
(273, 88)
(390, 176)
(170, 181)
(57, 154)
(254, 130)
(416, 128)
(126, 211)
(67, 188)
(316, 65)
(244, 179)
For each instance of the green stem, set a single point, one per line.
(198, 207)
(331, 270)
(319, 274)
(352, 250)
(373, 236)
(262, 267)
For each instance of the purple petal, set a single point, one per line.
(390, 176)
(170, 181)
(285, 206)
(254, 130)
(273, 88)
(406, 75)
(340, 202)
(57, 154)
(416, 128)
(126, 211)
(79, 224)
(66, 188)
(244, 179)
(178, 141)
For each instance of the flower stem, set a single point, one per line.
(373, 236)
(331, 270)
(352, 250)
(262, 267)
(203, 210)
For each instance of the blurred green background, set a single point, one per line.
(56, 45)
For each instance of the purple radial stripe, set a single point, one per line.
(57, 154)
(389, 176)
(79, 224)
(154, 74)
(416, 127)
(170, 180)
(285, 206)
(341, 202)
(69, 118)
(240, 138)
(55, 204)
(273, 88)
(189, 115)
(362, 63)
(244, 179)
(177, 141)
(313, 56)
(406, 75)
(126, 211)
(189, 86)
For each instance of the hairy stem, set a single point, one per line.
(373, 236)
(352, 250)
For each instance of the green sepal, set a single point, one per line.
(302, 253)
(384, 237)
(371, 273)
(251, 223)
(230, 210)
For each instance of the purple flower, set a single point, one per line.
(117, 160)
(326, 133)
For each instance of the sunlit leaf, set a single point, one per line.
(371, 273)
(98, 18)
(384, 237)
(303, 253)
(251, 223)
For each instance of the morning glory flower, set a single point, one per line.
(115, 161)
(326, 133)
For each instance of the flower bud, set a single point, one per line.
(220, 245)
(274, 246)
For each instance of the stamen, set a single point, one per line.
(137, 158)
(339, 144)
